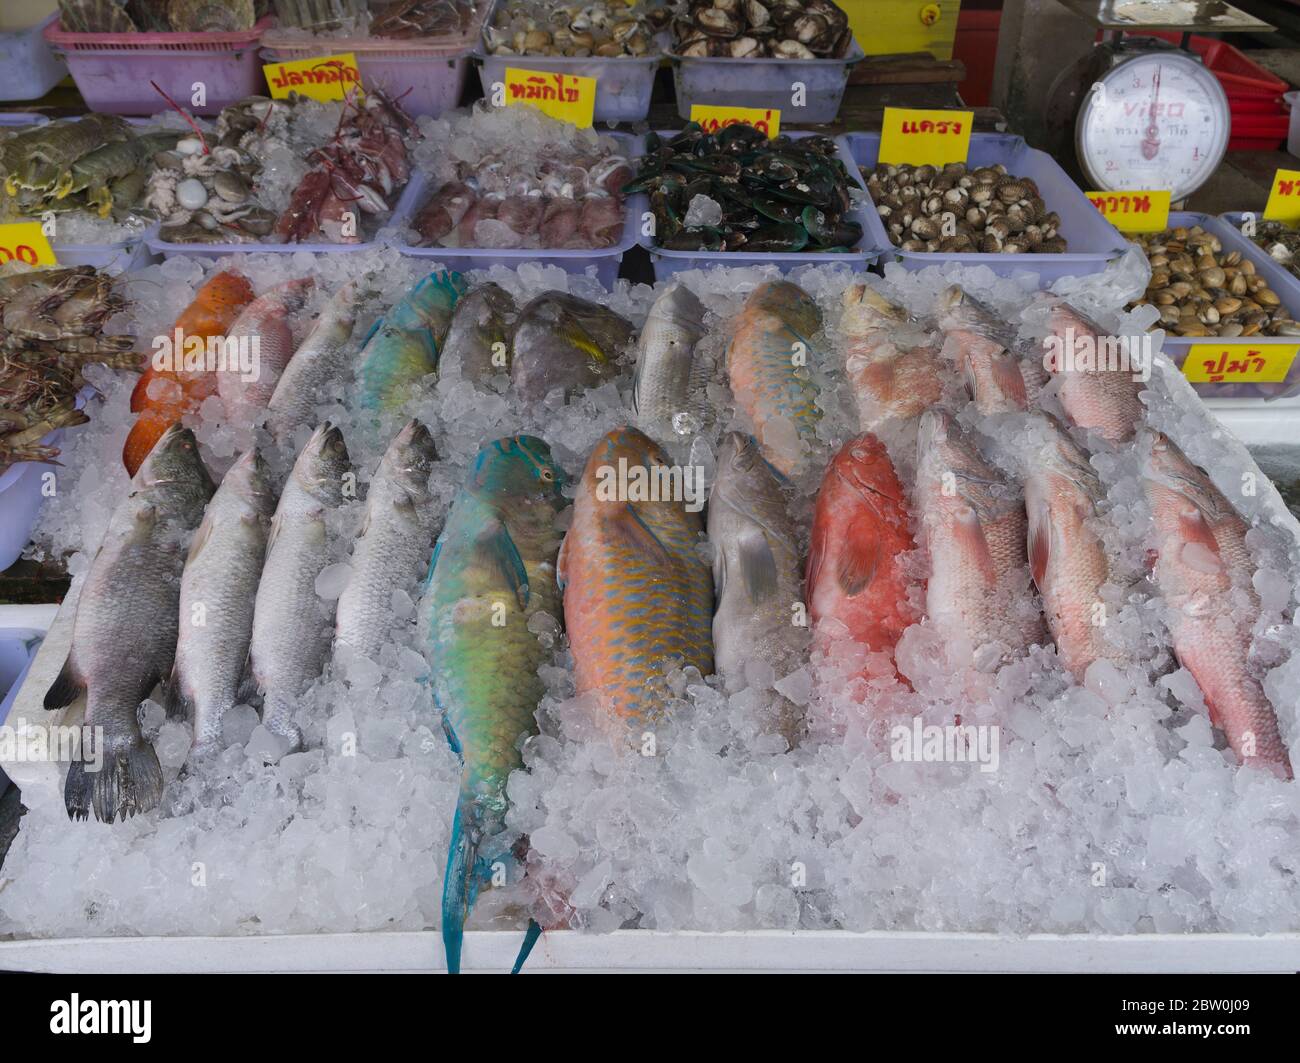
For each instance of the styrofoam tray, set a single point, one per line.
(1093, 241)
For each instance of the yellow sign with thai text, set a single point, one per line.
(765, 119)
(568, 97)
(1134, 212)
(26, 242)
(1240, 362)
(925, 137)
(1284, 198)
(322, 77)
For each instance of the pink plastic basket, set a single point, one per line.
(113, 70)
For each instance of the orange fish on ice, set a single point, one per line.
(887, 381)
(1202, 564)
(163, 397)
(861, 530)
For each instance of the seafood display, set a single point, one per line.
(737, 190)
(1202, 290)
(157, 16)
(568, 195)
(98, 164)
(51, 327)
(606, 29)
(754, 29)
(956, 208)
(1280, 241)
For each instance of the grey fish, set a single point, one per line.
(319, 359)
(668, 393)
(561, 341)
(291, 623)
(396, 537)
(124, 633)
(480, 321)
(756, 570)
(218, 588)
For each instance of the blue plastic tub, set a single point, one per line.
(1092, 239)
(605, 259)
(874, 240)
(1287, 287)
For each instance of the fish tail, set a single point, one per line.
(127, 781)
(460, 886)
(531, 935)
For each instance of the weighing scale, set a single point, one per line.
(1145, 113)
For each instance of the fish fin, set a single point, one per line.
(969, 378)
(1194, 527)
(66, 688)
(433, 562)
(969, 534)
(128, 781)
(757, 565)
(628, 526)
(176, 704)
(495, 548)
(561, 564)
(1039, 540)
(247, 688)
(460, 884)
(531, 936)
(201, 536)
(859, 558)
(1010, 380)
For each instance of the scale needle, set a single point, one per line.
(1151, 145)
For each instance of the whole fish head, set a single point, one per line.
(323, 464)
(1061, 456)
(749, 487)
(518, 471)
(1171, 477)
(429, 304)
(289, 297)
(681, 306)
(409, 460)
(174, 466)
(865, 465)
(867, 308)
(953, 470)
(251, 480)
(788, 302)
(956, 308)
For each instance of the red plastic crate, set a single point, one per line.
(1237, 74)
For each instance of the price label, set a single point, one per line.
(1233, 363)
(564, 96)
(1284, 198)
(25, 241)
(322, 77)
(1134, 211)
(925, 137)
(764, 119)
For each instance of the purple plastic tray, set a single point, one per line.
(667, 263)
(605, 259)
(1092, 239)
(1287, 287)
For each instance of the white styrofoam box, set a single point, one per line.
(29, 67)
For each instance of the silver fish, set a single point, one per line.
(319, 359)
(218, 588)
(291, 623)
(480, 322)
(124, 633)
(396, 537)
(669, 384)
(756, 569)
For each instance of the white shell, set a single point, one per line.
(191, 194)
(189, 146)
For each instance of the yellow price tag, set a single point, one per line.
(925, 137)
(322, 77)
(1132, 211)
(1233, 363)
(25, 241)
(1284, 198)
(564, 96)
(764, 119)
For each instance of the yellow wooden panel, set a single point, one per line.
(886, 27)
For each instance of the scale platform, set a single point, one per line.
(1186, 16)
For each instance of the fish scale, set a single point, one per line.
(767, 383)
(637, 595)
(493, 570)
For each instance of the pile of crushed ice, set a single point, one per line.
(1111, 807)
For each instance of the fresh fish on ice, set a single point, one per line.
(1105, 398)
(396, 536)
(858, 586)
(292, 624)
(756, 570)
(218, 588)
(668, 392)
(319, 360)
(124, 632)
(478, 339)
(772, 347)
(637, 595)
(561, 341)
(492, 574)
(266, 325)
(1204, 570)
(887, 381)
(402, 347)
(979, 342)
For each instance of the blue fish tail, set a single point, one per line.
(533, 932)
(461, 883)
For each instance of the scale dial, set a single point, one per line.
(1159, 120)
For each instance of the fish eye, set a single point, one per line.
(546, 474)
